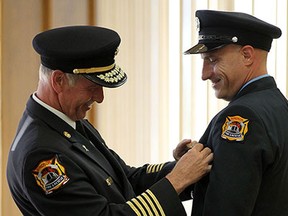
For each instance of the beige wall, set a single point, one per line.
(164, 99)
(20, 21)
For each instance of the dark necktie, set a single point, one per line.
(80, 129)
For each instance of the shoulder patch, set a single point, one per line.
(234, 128)
(50, 175)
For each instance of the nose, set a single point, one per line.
(207, 71)
(98, 95)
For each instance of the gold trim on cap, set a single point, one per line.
(113, 76)
(93, 70)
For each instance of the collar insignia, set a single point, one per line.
(66, 134)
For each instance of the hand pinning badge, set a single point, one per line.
(191, 145)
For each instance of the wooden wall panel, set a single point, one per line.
(20, 21)
(1, 153)
(69, 12)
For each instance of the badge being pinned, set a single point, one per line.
(50, 175)
(234, 128)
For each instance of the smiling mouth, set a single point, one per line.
(215, 82)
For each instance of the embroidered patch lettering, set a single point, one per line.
(234, 128)
(50, 175)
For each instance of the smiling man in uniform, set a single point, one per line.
(249, 137)
(60, 165)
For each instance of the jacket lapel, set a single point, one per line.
(96, 138)
(77, 140)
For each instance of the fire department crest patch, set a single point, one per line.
(50, 175)
(234, 128)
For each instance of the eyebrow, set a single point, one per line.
(207, 55)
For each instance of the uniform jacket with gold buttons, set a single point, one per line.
(54, 170)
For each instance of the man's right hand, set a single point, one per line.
(191, 167)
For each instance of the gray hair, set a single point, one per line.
(45, 73)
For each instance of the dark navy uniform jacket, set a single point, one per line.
(54, 170)
(249, 139)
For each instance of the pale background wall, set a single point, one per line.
(164, 99)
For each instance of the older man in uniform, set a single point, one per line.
(249, 137)
(59, 164)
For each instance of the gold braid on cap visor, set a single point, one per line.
(112, 76)
(93, 69)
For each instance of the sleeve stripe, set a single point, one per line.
(152, 168)
(133, 207)
(138, 204)
(150, 203)
(146, 203)
(156, 202)
(148, 170)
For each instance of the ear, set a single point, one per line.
(248, 53)
(58, 80)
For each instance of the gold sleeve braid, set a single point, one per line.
(146, 204)
(152, 168)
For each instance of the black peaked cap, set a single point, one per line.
(83, 50)
(219, 28)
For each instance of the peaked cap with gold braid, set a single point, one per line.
(83, 50)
